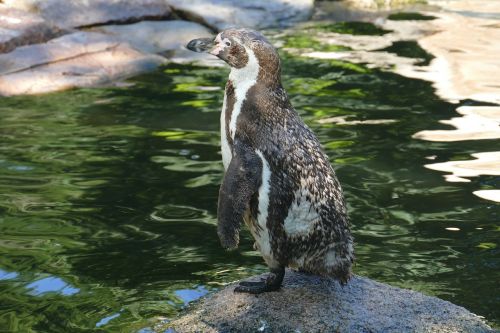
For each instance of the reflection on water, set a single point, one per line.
(51, 284)
(4, 275)
(475, 123)
(108, 196)
(189, 295)
(484, 164)
(107, 319)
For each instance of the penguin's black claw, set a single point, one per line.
(271, 283)
(257, 288)
(252, 283)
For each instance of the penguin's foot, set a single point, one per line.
(271, 283)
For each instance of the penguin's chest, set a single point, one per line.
(235, 96)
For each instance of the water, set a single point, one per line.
(108, 196)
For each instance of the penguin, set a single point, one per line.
(277, 180)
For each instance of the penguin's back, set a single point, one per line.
(306, 223)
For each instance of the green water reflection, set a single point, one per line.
(108, 196)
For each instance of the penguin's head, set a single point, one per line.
(242, 49)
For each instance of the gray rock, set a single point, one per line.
(168, 38)
(79, 13)
(81, 59)
(65, 47)
(18, 27)
(222, 14)
(312, 304)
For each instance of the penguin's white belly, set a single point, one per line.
(242, 79)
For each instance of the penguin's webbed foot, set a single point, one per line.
(271, 283)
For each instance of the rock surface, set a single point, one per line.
(18, 27)
(168, 38)
(259, 14)
(81, 59)
(78, 13)
(312, 304)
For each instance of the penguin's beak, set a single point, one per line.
(201, 44)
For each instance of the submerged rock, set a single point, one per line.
(223, 14)
(18, 27)
(81, 59)
(309, 303)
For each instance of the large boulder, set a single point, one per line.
(81, 59)
(309, 303)
(81, 13)
(259, 14)
(167, 38)
(19, 27)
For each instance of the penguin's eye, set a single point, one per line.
(228, 43)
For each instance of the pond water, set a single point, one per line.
(108, 196)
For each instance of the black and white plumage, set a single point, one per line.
(278, 180)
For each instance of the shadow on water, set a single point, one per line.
(108, 196)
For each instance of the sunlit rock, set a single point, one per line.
(309, 303)
(476, 123)
(484, 164)
(222, 14)
(18, 27)
(81, 59)
(65, 47)
(78, 13)
(166, 37)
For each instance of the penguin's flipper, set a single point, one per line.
(241, 181)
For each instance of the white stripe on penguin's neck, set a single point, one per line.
(243, 79)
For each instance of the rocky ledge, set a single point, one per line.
(50, 45)
(309, 303)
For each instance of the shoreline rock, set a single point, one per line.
(81, 59)
(34, 58)
(18, 28)
(77, 13)
(259, 14)
(167, 38)
(309, 303)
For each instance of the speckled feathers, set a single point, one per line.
(294, 205)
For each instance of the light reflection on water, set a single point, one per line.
(189, 295)
(116, 219)
(4, 275)
(51, 285)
